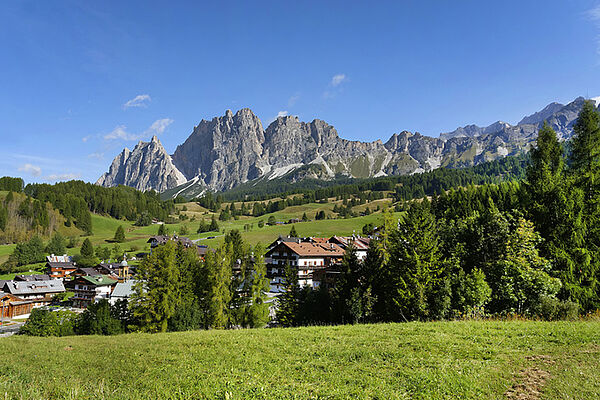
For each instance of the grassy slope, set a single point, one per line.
(135, 237)
(451, 360)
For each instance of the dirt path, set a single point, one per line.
(530, 380)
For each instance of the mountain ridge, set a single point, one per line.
(233, 149)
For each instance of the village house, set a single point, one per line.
(304, 256)
(160, 240)
(30, 278)
(13, 306)
(59, 267)
(90, 289)
(360, 244)
(40, 292)
(122, 291)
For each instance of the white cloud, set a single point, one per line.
(141, 100)
(120, 132)
(282, 114)
(159, 126)
(86, 138)
(97, 155)
(338, 79)
(594, 13)
(62, 177)
(292, 100)
(31, 169)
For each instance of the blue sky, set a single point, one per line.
(80, 80)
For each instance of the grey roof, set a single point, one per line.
(89, 271)
(123, 289)
(30, 278)
(38, 287)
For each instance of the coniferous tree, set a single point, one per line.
(214, 225)
(257, 312)
(87, 250)
(119, 234)
(162, 230)
(293, 232)
(585, 155)
(57, 244)
(156, 293)
(415, 263)
(288, 303)
(218, 297)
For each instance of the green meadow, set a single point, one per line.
(104, 227)
(436, 360)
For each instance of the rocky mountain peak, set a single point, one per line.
(235, 148)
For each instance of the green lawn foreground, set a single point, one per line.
(445, 360)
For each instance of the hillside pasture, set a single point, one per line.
(443, 360)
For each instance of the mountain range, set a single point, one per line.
(227, 151)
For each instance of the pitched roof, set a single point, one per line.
(38, 287)
(99, 280)
(123, 289)
(29, 278)
(359, 243)
(89, 271)
(315, 249)
(61, 259)
(55, 264)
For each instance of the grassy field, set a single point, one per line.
(136, 237)
(446, 360)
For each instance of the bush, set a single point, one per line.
(43, 322)
(98, 319)
(552, 309)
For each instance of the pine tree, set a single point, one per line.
(288, 302)
(162, 230)
(156, 299)
(84, 222)
(214, 225)
(87, 250)
(218, 297)
(304, 217)
(57, 244)
(415, 264)
(585, 156)
(119, 234)
(293, 232)
(257, 313)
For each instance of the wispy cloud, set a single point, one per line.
(594, 15)
(159, 126)
(31, 169)
(292, 100)
(97, 155)
(141, 100)
(338, 79)
(335, 86)
(120, 132)
(62, 177)
(282, 114)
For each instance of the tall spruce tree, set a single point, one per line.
(288, 303)
(415, 264)
(119, 234)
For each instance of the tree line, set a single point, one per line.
(530, 248)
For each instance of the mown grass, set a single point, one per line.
(446, 360)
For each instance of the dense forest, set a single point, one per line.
(22, 217)
(417, 185)
(121, 202)
(529, 248)
(262, 201)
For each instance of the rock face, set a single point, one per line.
(229, 150)
(147, 167)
